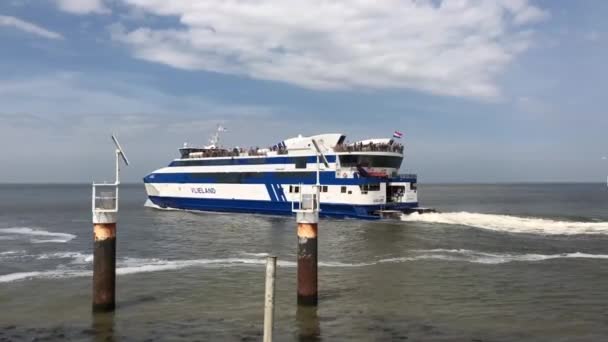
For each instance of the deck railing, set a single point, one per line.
(369, 148)
(407, 175)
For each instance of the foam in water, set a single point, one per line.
(136, 265)
(36, 234)
(130, 266)
(511, 224)
(8, 255)
(12, 252)
(7, 278)
(466, 255)
(150, 204)
(256, 255)
(78, 257)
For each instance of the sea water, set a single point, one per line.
(513, 262)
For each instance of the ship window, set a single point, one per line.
(291, 188)
(350, 192)
(300, 162)
(255, 161)
(343, 189)
(353, 160)
(374, 187)
(324, 188)
(249, 177)
(296, 189)
(413, 186)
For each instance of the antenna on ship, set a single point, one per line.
(215, 138)
(319, 153)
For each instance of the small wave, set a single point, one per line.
(150, 204)
(128, 266)
(78, 257)
(466, 255)
(52, 274)
(343, 264)
(511, 224)
(7, 278)
(257, 255)
(12, 252)
(36, 233)
(135, 265)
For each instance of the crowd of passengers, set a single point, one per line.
(256, 151)
(361, 147)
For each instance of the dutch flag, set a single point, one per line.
(397, 135)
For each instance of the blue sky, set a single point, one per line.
(485, 91)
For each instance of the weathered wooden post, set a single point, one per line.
(308, 323)
(307, 217)
(105, 215)
(271, 265)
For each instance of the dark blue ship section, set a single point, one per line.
(272, 177)
(275, 208)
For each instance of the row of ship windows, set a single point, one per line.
(300, 162)
(364, 188)
(239, 177)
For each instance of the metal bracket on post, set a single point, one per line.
(309, 206)
(309, 203)
(105, 201)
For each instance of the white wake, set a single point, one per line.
(77, 267)
(35, 235)
(466, 255)
(127, 266)
(511, 224)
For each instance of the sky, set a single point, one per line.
(483, 90)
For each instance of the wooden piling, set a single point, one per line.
(307, 262)
(104, 267)
(104, 205)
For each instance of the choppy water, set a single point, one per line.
(500, 263)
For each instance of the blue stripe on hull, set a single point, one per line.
(268, 207)
(307, 177)
(270, 190)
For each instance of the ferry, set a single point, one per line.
(357, 179)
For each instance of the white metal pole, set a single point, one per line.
(271, 264)
(318, 171)
(117, 181)
(93, 198)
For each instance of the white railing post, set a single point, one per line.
(271, 265)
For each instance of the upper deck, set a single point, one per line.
(366, 158)
(297, 146)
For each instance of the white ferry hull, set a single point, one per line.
(269, 183)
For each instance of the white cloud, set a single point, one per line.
(453, 48)
(75, 94)
(83, 6)
(67, 117)
(523, 13)
(592, 36)
(28, 27)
